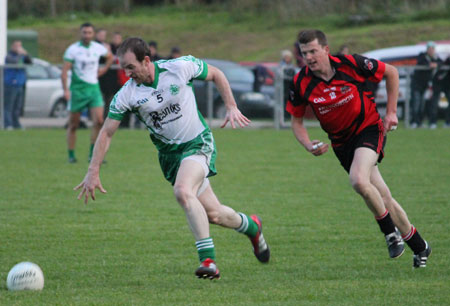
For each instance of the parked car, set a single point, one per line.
(44, 95)
(405, 57)
(252, 104)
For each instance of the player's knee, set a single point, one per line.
(214, 217)
(98, 124)
(72, 126)
(360, 185)
(183, 194)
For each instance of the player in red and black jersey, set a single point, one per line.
(336, 89)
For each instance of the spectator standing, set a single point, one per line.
(287, 70)
(108, 81)
(101, 36)
(115, 43)
(175, 52)
(82, 58)
(419, 82)
(286, 58)
(298, 54)
(441, 83)
(153, 46)
(344, 50)
(15, 80)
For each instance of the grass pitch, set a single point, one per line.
(133, 247)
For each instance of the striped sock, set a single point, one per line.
(248, 226)
(385, 223)
(414, 240)
(205, 249)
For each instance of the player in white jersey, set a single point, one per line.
(161, 95)
(82, 58)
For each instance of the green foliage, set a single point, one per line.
(236, 32)
(132, 246)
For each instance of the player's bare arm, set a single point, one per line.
(392, 83)
(316, 147)
(92, 179)
(67, 66)
(233, 113)
(109, 60)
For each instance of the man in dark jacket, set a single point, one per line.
(15, 79)
(419, 82)
(441, 83)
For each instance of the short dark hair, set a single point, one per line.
(136, 45)
(87, 25)
(153, 43)
(175, 50)
(308, 36)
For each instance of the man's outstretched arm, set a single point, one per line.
(92, 179)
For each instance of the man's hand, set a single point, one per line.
(22, 51)
(88, 185)
(390, 122)
(67, 94)
(234, 114)
(317, 148)
(102, 71)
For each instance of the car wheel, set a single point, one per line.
(59, 109)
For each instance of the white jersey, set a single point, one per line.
(85, 61)
(167, 106)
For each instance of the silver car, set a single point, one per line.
(44, 95)
(405, 58)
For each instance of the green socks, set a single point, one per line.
(91, 150)
(205, 249)
(71, 154)
(248, 226)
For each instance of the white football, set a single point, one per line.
(25, 276)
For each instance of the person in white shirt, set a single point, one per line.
(82, 59)
(161, 95)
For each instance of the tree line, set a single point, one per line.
(283, 9)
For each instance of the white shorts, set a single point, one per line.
(200, 159)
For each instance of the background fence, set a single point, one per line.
(282, 78)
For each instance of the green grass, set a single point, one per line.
(133, 247)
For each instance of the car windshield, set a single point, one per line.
(238, 74)
(55, 72)
(36, 71)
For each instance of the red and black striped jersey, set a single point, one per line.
(344, 105)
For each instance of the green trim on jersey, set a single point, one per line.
(158, 70)
(114, 116)
(83, 45)
(76, 83)
(204, 69)
(204, 73)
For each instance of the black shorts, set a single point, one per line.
(371, 137)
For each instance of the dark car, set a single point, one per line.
(252, 104)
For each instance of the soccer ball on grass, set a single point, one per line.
(25, 276)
